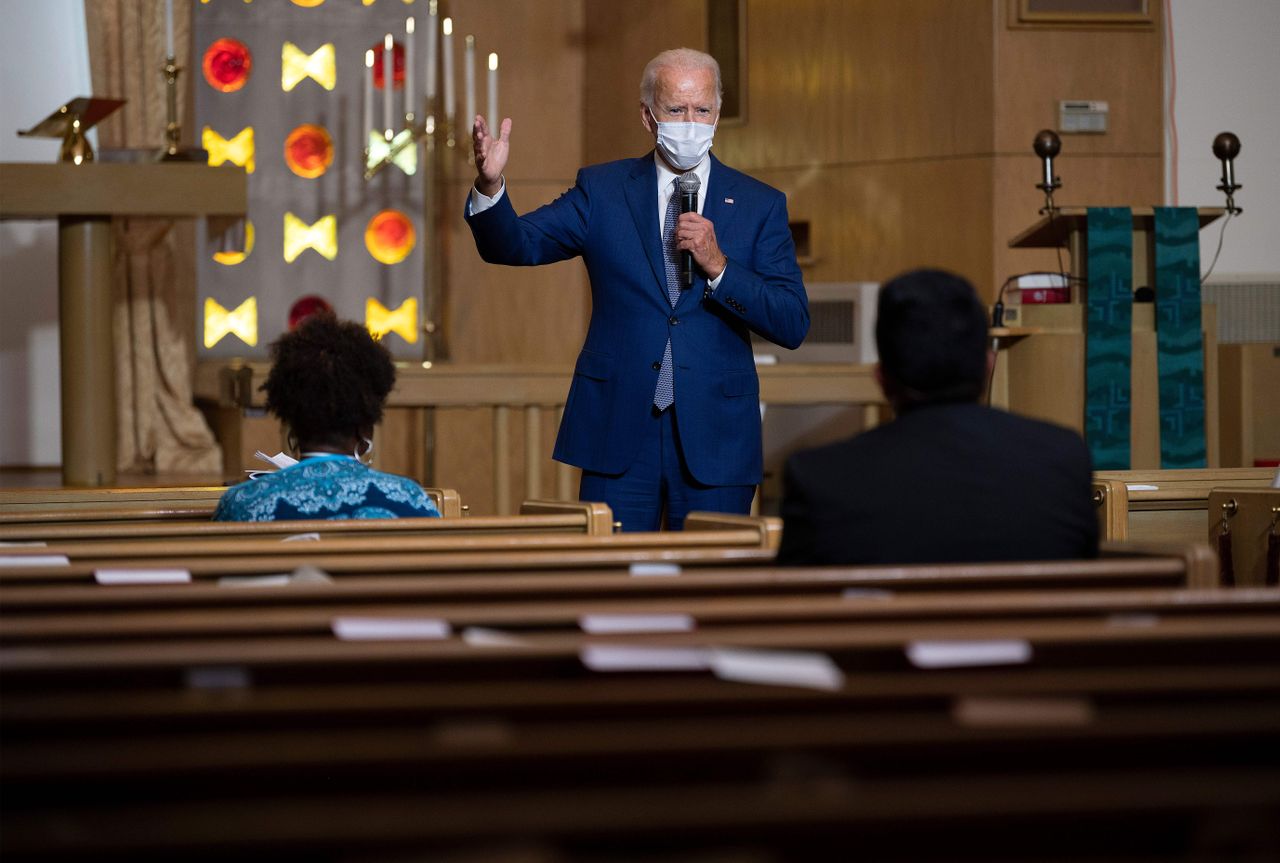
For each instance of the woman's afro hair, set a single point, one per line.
(328, 378)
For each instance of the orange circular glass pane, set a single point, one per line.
(227, 63)
(308, 151)
(309, 4)
(397, 64)
(230, 259)
(390, 237)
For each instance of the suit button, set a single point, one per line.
(673, 320)
(657, 367)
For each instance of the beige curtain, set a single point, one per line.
(160, 430)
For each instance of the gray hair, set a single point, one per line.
(677, 58)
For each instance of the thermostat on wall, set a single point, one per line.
(1082, 116)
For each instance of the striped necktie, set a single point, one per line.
(665, 393)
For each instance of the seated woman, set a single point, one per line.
(328, 382)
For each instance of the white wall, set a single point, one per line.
(1228, 79)
(44, 61)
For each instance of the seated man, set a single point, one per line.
(949, 479)
(328, 383)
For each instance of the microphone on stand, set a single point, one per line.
(1226, 147)
(688, 186)
(1047, 145)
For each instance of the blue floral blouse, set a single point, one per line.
(328, 487)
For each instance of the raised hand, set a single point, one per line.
(491, 154)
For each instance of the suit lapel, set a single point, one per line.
(642, 198)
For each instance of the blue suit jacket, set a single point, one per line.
(610, 218)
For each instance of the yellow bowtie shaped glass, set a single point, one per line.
(243, 322)
(403, 321)
(299, 236)
(406, 160)
(237, 150)
(295, 66)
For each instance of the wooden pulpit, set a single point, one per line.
(84, 198)
(1045, 375)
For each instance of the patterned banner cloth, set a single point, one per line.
(1109, 337)
(1179, 341)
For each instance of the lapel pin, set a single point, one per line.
(728, 200)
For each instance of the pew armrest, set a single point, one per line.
(1200, 560)
(447, 500)
(599, 517)
(769, 527)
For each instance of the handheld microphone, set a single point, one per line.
(688, 185)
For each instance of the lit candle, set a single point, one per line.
(469, 80)
(388, 82)
(446, 55)
(410, 109)
(433, 33)
(494, 118)
(368, 96)
(168, 28)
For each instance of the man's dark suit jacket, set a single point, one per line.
(941, 483)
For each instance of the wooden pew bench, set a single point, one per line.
(439, 746)
(78, 506)
(1165, 505)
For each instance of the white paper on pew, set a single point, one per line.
(480, 636)
(655, 569)
(142, 576)
(308, 574)
(24, 545)
(34, 560)
(279, 460)
(612, 624)
(866, 593)
(1138, 486)
(802, 668)
(390, 628)
(255, 580)
(302, 537)
(627, 657)
(961, 654)
(218, 677)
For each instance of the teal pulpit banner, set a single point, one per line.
(1179, 341)
(1109, 337)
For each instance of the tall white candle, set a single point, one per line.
(388, 83)
(168, 28)
(368, 97)
(469, 80)
(495, 119)
(446, 57)
(433, 34)
(410, 73)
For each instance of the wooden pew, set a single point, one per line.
(719, 538)
(1247, 522)
(592, 519)
(45, 506)
(1165, 505)
(1153, 726)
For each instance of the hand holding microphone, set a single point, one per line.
(695, 236)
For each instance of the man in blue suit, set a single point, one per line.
(664, 411)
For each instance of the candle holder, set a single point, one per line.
(172, 150)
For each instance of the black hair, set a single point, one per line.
(931, 332)
(328, 379)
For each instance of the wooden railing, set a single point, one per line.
(535, 390)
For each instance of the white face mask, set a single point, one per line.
(684, 145)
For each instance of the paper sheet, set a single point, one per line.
(626, 657)
(390, 628)
(480, 636)
(611, 624)
(962, 654)
(801, 668)
(34, 560)
(142, 576)
(655, 569)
